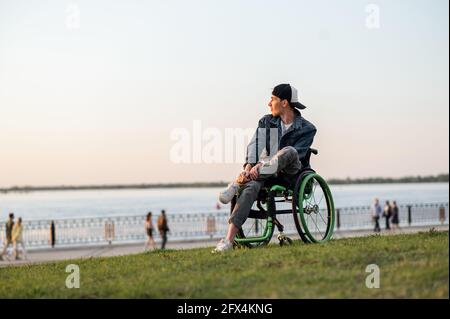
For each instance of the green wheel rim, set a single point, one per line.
(330, 208)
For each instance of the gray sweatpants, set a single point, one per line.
(286, 161)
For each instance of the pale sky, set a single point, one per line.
(90, 91)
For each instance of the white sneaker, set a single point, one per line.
(227, 195)
(222, 246)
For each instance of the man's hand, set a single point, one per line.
(243, 178)
(254, 172)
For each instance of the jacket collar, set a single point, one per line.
(297, 124)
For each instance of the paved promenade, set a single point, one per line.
(64, 253)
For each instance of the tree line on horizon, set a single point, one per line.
(386, 180)
(334, 181)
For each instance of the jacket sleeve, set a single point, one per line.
(305, 140)
(253, 152)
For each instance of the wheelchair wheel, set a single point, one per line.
(313, 209)
(253, 227)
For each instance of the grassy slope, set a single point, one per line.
(410, 265)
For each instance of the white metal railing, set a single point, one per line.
(101, 230)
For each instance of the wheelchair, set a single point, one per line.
(311, 205)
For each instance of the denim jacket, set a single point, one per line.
(268, 138)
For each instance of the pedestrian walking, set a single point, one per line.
(376, 214)
(387, 213)
(149, 232)
(395, 220)
(8, 238)
(163, 228)
(18, 239)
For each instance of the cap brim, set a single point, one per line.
(298, 105)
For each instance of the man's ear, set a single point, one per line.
(285, 103)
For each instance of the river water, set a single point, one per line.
(104, 203)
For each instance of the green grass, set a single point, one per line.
(411, 266)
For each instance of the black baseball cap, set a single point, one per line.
(289, 93)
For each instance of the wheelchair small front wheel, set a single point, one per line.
(313, 209)
(284, 240)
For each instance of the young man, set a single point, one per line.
(292, 135)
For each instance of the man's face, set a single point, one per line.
(276, 106)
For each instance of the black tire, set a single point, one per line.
(316, 203)
(298, 225)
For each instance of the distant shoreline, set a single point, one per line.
(442, 178)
